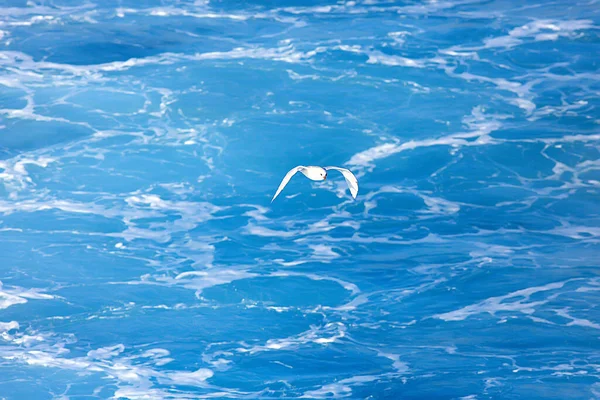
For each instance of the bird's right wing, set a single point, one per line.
(351, 180)
(286, 179)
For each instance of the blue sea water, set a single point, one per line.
(140, 145)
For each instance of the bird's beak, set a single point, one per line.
(325, 178)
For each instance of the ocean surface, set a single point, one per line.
(140, 145)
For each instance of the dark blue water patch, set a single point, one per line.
(536, 338)
(578, 255)
(268, 4)
(582, 122)
(141, 4)
(564, 154)
(87, 46)
(22, 256)
(524, 160)
(591, 177)
(487, 218)
(81, 53)
(109, 102)
(538, 218)
(500, 72)
(414, 165)
(126, 300)
(581, 205)
(572, 94)
(327, 27)
(238, 246)
(398, 204)
(249, 31)
(184, 166)
(420, 53)
(225, 92)
(236, 324)
(12, 99)
(48, 380)
(536, 55)
(454, 176)
(40, 310)
(308, 372)
(587, 150)
(469, 33)
(395, 266)
(402, 228)
(584, 46)
(16, 3)
(440, 381)
(556, 387)
(125, 135)
(450, 226)
(554, 240)
(336, 57)
(87, 170)
(558, 94)
(25, 135)
(76, 218)
(314, 89)
(99, 53)
(283, 291)
(97, 121)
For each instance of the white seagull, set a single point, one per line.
(319, 174)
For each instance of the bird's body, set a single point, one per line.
(314, 173)
(319, 174)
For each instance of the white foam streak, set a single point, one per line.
(200, 280)
(179, 12)
(400, 366)
(196, 378)
(376, 57)
(10, 296)
(558, 111)
(493, 305)
(538, 30)
(286, 53)
(8, 326)
(134, 375)
(346, 285)
(256, 230)
(524, 98)
(322, 335)
(481, 126)
(106, 352)
(582, 322)
(323, 253)
(341, 388)
(14, 174)
(436, 205)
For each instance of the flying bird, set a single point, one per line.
(319, 174)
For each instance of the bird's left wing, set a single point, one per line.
(286, 179)
(350, 180)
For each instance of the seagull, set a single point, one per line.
(319, 174)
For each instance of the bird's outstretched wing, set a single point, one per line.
(286, 179)
(350, 180)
